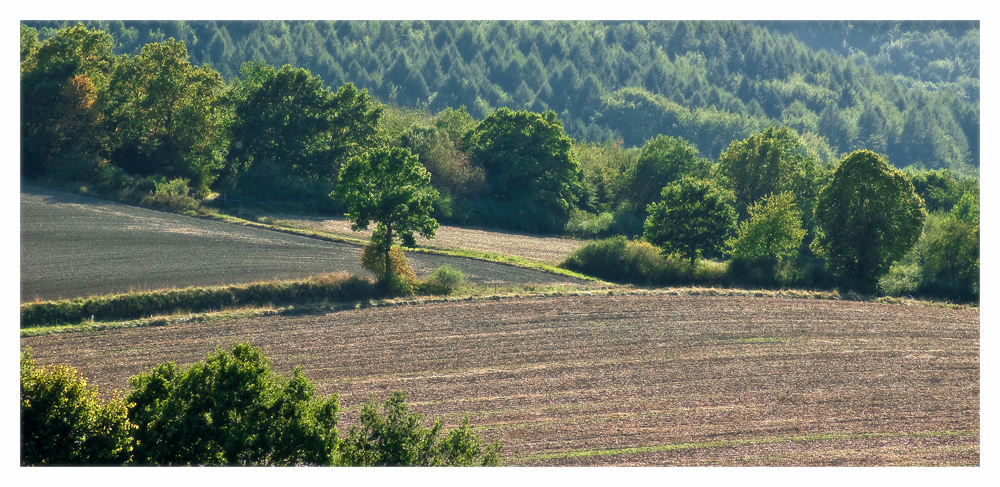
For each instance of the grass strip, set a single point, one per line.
(732, 443)
(430, 249)
(340, 287)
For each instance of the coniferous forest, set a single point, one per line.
(605, 116)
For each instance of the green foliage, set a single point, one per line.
(769, 162)
(390, 187)
(603, 166)
(588, 225)
(329, 288)
(662, 161)
(62, 79)
(695, 216)
(291, 134)
(402, 277)
(773, 229)
(391, 435)
(166, 114)
(527, 160)
(444, 280)
(726, 79)
(64, 422)
(173, 195)
(951, 258)
(618, 259)
(231, 409)
(870, 217)
(767, 242)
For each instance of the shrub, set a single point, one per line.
(621, 260)
(444, 280)
(393, 436)
(403, 277)
(588, 225)
(63, 421)
(173, 195)
(231, 409)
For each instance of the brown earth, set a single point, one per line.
(659, 379)
(551, 250)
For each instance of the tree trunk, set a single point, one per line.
(388, 249)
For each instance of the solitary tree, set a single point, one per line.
(870, 217)
(390, 187)
(694, 216)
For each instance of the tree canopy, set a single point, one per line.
(527, 158)
(388, 186)
(663, 160)
(694, 216)
(870, 216)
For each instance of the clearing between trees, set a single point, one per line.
(612, 379)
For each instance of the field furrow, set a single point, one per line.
(623, 380)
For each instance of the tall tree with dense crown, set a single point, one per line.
(662, 161)
(62, 79)
(693, 217)
(390, 187)
(870, 216)
(528, 159)
(167, 115)
(765, 163)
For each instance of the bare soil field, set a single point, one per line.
(648, 379)
(78, 246)
(551, 250)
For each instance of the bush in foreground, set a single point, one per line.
(392, 435)
(64, 422)
(229, 409)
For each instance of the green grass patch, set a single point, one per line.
(734, 443)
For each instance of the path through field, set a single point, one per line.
(656, 379)
(77, 246)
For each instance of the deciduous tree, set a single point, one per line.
(662, 161)
(765, 163)
(694, 216)
(774, 229)
(527, 159)
(870, 217)
(166, 115)
(388, 186)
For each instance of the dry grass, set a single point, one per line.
(645, 379)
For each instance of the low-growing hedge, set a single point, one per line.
(618, 259)
(330, 288)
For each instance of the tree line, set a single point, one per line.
(154, 125)
(909, 90)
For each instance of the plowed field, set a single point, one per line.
(656, 379)
(78, 246)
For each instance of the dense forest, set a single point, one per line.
(909, 90)
(596, 129)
